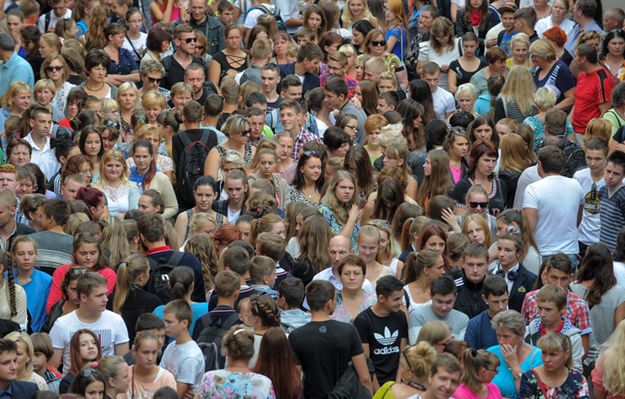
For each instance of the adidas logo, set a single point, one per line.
(388, 338)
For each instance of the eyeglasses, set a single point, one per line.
(154, 80)
(245, 132)
(77, 271)
(54, 68)
(351, 127)
(378, 42)
(474, 205)
(190, 39)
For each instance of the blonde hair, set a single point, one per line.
(14, 89)
(198, 219)
(543, 48)
(420, 358)
(520, 38)
(515, 154)
(348, 19)
(128, 273)
(434, 331)
(20, 336)
(112, 155)
(520, 88)
(109, 105)
(147, 130)
(482, 222)
(43, 84)
(545, 99)
(614, 364)
(330, 200)
(114, 238)
(598, 128)
(153, 98)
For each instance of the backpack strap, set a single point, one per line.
(47, 21)
(175, 258)
(205, 136)
(185, 139)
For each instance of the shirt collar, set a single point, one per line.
(159, 249)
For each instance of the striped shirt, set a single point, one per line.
(612, 211)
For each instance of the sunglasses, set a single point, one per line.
(378, 42)
(54, 68)
(190, 39)
(245, 132)
(154, 80)
(474, 205)
(77, 271)
(352, 127)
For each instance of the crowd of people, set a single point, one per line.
(312, 199)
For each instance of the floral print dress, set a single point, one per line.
(575, 386)
(223, 384)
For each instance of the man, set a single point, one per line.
(39, 139)
(338, 248)
(270, 78)
(444, 378)
(306, 66)
(9, 228)
(508, 32)
(336, 99)
(211, 27)
(192, 116)
(443, 293)
(480, 333)
(194, 77)
(54, 247)
(560, 200)
(8, 177)
(47, 22)
(70, 186)
(152, 232)
(324, 347)
(613, 19)
(91, 290)
(177, 63)
(230, 91)
(337, 66)
(151, 73)
(292, 116)
(444, 102)
(261, 53)
(593, 90)
(213, 107)
(524, 21)
(13, 68)
(257, 124)
(10, 387)
(612, 200)
(374, 67)
(382, 327)
(584, 12)
(470, 279)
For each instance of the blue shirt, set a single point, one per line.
(504, 379)
(15, 69)
(127, 64)
(479, 333)
(399, 33)
(37, 291)
(199, 309)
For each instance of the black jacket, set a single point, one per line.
(469, 300)
(214, 32)
(523, 283)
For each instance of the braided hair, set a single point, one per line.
(266, 309)
(6, 260)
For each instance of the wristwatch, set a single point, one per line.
(517, 376)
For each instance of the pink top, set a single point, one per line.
(175, 13)
(456, 173)
(462, 392)
(59, 275)
(597, 379)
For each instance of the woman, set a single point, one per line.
(152, 133)
(415, 365)
(25, 358)
(396, 29)
(352, 298)
(558, 38)
(13, 303)
(128, 100)
(557, 18)
(167, 11)
(442, 48)
(123, 67)
(97, 64)
(309, 179)
(495, 64)
(607, 376)
(544, 99)
(519, 47)
(55, 69)
(230, 60)
(475, 227)
(515, 158)
(462, 70)
(613, 53)
(482, 161)
(551, 72)
(236, 379)
(375, 45)
(314, 19)
(43, 93)
(368, 247)
(68, 301)
(145, 375)
(236, 185)
(130, 299)
(87, 254)
(516, 98)
(282, 372)
(157, 44)
(281, 41)
(457, 147)
(121, 194)
(515, 356)
(237, 128)
(36, 284)
(84, 352)
(204, 193)
(146, 175)
(339, 207)
(396, 155)
(422, 268)
(94, 36)
(15, 102)
(555, 378)
(476, 17)
(358, 163)
(264, 163)
(49, 45)
(114, 369)
(135, 40)
(596, 283)
(437, 178)
(480, 368)
(436, 333)
(360, 30)
(89, 383)
(373, 126)
(354, 11)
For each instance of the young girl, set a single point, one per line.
(36, 284)
(135, 40)
(85, 352)
(12, 296)
(480, 367)
(396, 33)
(66, 28)
(437, 178)
(145, 375)
(88, 254)
(90, 144)
(475, 226)
(89, 384)
(115, 372)
(264, 163)
(368, 247)
(286, 143)
(462, 70)
(457, 147)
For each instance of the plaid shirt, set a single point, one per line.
(577, 310)
(303, 137)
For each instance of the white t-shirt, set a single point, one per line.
(185, 362)
(529, 176)
(139, 44)
(557, 199)
(590, 227)
(110, 328)
(252, 16)
(619, 273)
(443, 103)
(546, 23)
(427, 53)
(41, 25)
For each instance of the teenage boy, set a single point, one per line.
(291, 294)
(612, 197)
(39, 139)
(336, 99)
(236, 259)
(306, 66)
(443, 293)
(505, 36)
(274, 247)
(480, 333)
(261, 53)
(444, 102)
(551, 301)
(470, 279)
(382, 327)
(70, 185)
(54, 247)
(444, 378)
(154, 324)
(47, 22)
(263, 275)
(337, 66)
(324, 347)
(213, 107)
(270, 78)
(111, 329)
(524, 21)
(387, 101)
(119, 8)
(183, 357)
(227, 288)
(10, 387)
(292, 116)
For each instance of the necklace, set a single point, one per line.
(90, 89)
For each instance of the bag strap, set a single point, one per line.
(541, 385)
(175, 258)
(185, 139)
(133, 47)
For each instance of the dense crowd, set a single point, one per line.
(312, 199)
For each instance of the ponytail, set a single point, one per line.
(128, 273)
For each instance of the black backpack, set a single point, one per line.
(209, 341)
(159, 275)
(191, 164)
(574, 159)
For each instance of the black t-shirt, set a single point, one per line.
(324, 349)
(384, 335)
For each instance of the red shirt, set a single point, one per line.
(58, 276)
(592, 90)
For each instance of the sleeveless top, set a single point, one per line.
(247, 155)
(222, 60)
(219, 220)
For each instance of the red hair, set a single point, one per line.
(556, 35)
(227, 233)
(76, 362)
(282, 371)
(90, 196)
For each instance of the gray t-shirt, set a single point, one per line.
(456, 320)
(185, 362)
(54, 249)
